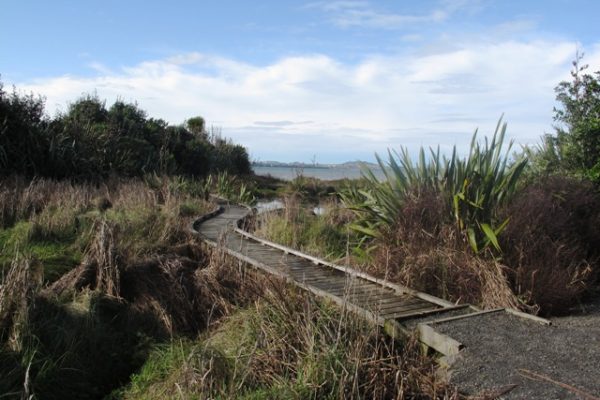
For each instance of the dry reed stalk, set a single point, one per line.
(101, 268)
(17, 294)
(103, 254)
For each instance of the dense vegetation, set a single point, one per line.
(106, 294)
(91, 141)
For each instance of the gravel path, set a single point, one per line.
(502, 350)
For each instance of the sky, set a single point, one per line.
(324, 81)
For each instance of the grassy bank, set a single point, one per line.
(94, 276)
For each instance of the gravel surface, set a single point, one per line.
(502, 349)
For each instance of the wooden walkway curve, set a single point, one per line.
(389, 305)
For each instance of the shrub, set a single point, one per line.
(472, 188)
(553, 242)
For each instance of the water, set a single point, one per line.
(326, 174)
(263, 206)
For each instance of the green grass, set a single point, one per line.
(58, 256)
(307, 232)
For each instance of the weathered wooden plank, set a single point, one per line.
(400, 305)
(265, 254)
(313, 276)
(360, 297)
(334, 285)
(385, 301)
(475, 314)
(342, 283)
(424, 313)
(424, 310)
(438, 341)
(369, 288)
(535, 318)
(371, 296)
(403, 315)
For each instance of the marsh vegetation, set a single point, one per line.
(105, 293)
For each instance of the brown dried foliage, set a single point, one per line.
(352, 359)
(168, 294)
(552, 243)
(425, 252)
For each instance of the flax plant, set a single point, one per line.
(472, 188)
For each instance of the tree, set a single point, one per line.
(576, 147)
(197, 126)
(23, 133)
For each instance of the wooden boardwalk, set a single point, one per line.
(386, 304)
(399, 309)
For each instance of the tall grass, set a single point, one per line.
(120, 272)
(473, 188)
(326, 235)
(289, 346)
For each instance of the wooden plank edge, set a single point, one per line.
(428, 312)
(457, 317)
(440, 342)
(522, 314)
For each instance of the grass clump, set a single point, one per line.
(554, 243)
(325, 235)
(289, 346)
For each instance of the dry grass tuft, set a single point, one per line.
(17, 294)
(425, 252)
(319, 351)
(101, 267)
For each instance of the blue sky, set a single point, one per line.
(297, 80)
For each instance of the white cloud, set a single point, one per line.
(347, 14)
(313, 104)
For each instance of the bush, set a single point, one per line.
(472, 189)
(553, 242)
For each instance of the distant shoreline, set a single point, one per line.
(300, 165)
(291, 171)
